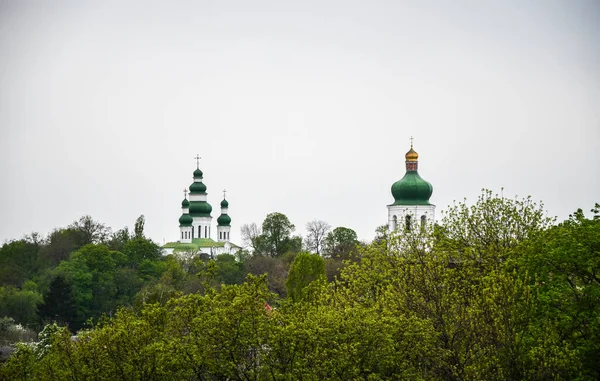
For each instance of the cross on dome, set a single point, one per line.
(197, 161)
(224, 193)
(185, 192)
(411, 141)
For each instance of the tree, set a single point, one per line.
(250, 234)
(20, 304)
(562, 265)
(276, 237)
(90, 231)
(59, 303)
(139, 249)
(493, 225)
(305, 269)
(92, 271)
(119, 238)
(341, 243)
(139, 227)
(19, 260)
(316, 233)
(60, 244)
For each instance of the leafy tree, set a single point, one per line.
(493, 225)
(89, 231)
(229, 270)
(139, 227)
(19, 261)
(316, 233)
(20, 304)
(119, 239)
(341, 243)
(60, 244)
(305, 269)
(59, 303)
(91, 270)
(139, 249)
(563, 263)
(276, 235)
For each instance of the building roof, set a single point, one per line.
(197, 244)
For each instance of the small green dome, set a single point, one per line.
(224, 204)
(200, 209)
(412, 190)
(224, 220)
(197, 187)
(185, 203)
(185, 220)
(198, 174)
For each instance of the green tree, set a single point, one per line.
(139, 227)
(229, 270)
(19, 261)
(563, 264)
(139, 249)
(119, 239)
(20, 304)
(91, 270)
(276, 238)
(89, 231)
(341, 243)
(305, 269)
(60, 244)
(59, 303)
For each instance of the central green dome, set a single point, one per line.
(197, 187)
(200, 209)
(411, 190)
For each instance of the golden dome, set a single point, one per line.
(412, 155)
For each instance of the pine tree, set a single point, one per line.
(59, 303)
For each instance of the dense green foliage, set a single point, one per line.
(495, 291)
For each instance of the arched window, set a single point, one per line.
(395, 223)
(408, 222)
(423, 221)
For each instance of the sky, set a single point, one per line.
(299, 107)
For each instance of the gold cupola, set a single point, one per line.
(412, 155)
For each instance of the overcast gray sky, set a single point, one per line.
(302, 107)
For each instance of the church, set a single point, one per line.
(411, 207)
(195, 223)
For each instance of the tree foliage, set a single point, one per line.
(341, 243)
(305, 269)
(495, 291)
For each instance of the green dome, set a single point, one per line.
(200, 209)
(197, 187)
(185, 220)
(224, 204)
(412, 190)
(224, 220)
(198, 174)
(185, 203)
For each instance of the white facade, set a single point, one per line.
(201, 227)
(410, 216)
